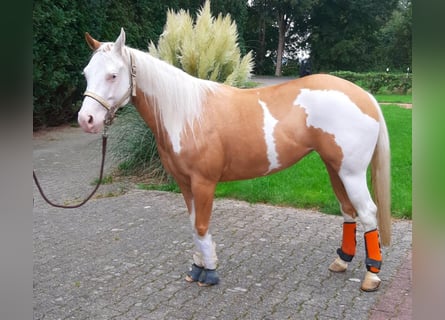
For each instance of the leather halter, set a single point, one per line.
(111, 109)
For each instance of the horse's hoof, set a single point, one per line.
(194, 274)
(371, 282)
(338, 265)
(208, 278)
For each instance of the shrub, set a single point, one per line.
(60, 52)
(291, 69)
(207, 49)
(133, 146)
(379, 82)
(56, 75)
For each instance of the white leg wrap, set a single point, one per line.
(206, 255)
(197, 259)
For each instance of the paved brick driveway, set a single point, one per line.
(124, 254)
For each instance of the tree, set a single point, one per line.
(288, 17)
(344, 33)
(260, 35)
(395, 38)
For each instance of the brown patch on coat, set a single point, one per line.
(233, 122)
(340, 192)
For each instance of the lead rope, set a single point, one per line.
(107, 122)
(104, 149)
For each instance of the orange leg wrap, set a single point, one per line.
(348, 245)
(373, 253)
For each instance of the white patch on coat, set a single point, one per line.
(269, 126)
(334, 112)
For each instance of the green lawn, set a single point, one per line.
(394, 98)
(307, 185)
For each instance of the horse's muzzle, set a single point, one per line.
(89, 123)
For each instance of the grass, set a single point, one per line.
(394, 98)
(105, 180)
(307, 185)
(304, 185)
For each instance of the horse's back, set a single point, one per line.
(338, 88)
(252, 132)
(331, 115)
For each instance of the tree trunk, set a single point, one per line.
(281, 38)
(262, 45)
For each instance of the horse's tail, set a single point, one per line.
(381, 180)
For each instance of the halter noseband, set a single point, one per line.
(111, 110)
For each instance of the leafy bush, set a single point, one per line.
(56, 71)
(379, 82)
(206, 49)
(291, 69)
(133, 146)
(60, 52)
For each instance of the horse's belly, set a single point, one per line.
(253, 163)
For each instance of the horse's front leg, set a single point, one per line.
(205, 260)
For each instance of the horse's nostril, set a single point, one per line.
(90, 119)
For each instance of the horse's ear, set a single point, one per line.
(92, 43)
(120, 42)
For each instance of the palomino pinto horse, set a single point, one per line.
(208, 132)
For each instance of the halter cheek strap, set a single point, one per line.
(111, 110)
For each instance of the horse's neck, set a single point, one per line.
(144, 104)
(168, 99)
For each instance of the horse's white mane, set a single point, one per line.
(178, 96)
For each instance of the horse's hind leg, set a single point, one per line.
(348, 245)
(358, 193)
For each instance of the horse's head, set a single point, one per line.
(109, 82)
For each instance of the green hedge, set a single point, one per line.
(60, 52)
(379, 82)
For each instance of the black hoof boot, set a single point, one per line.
(195, 274)
(208, 278)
